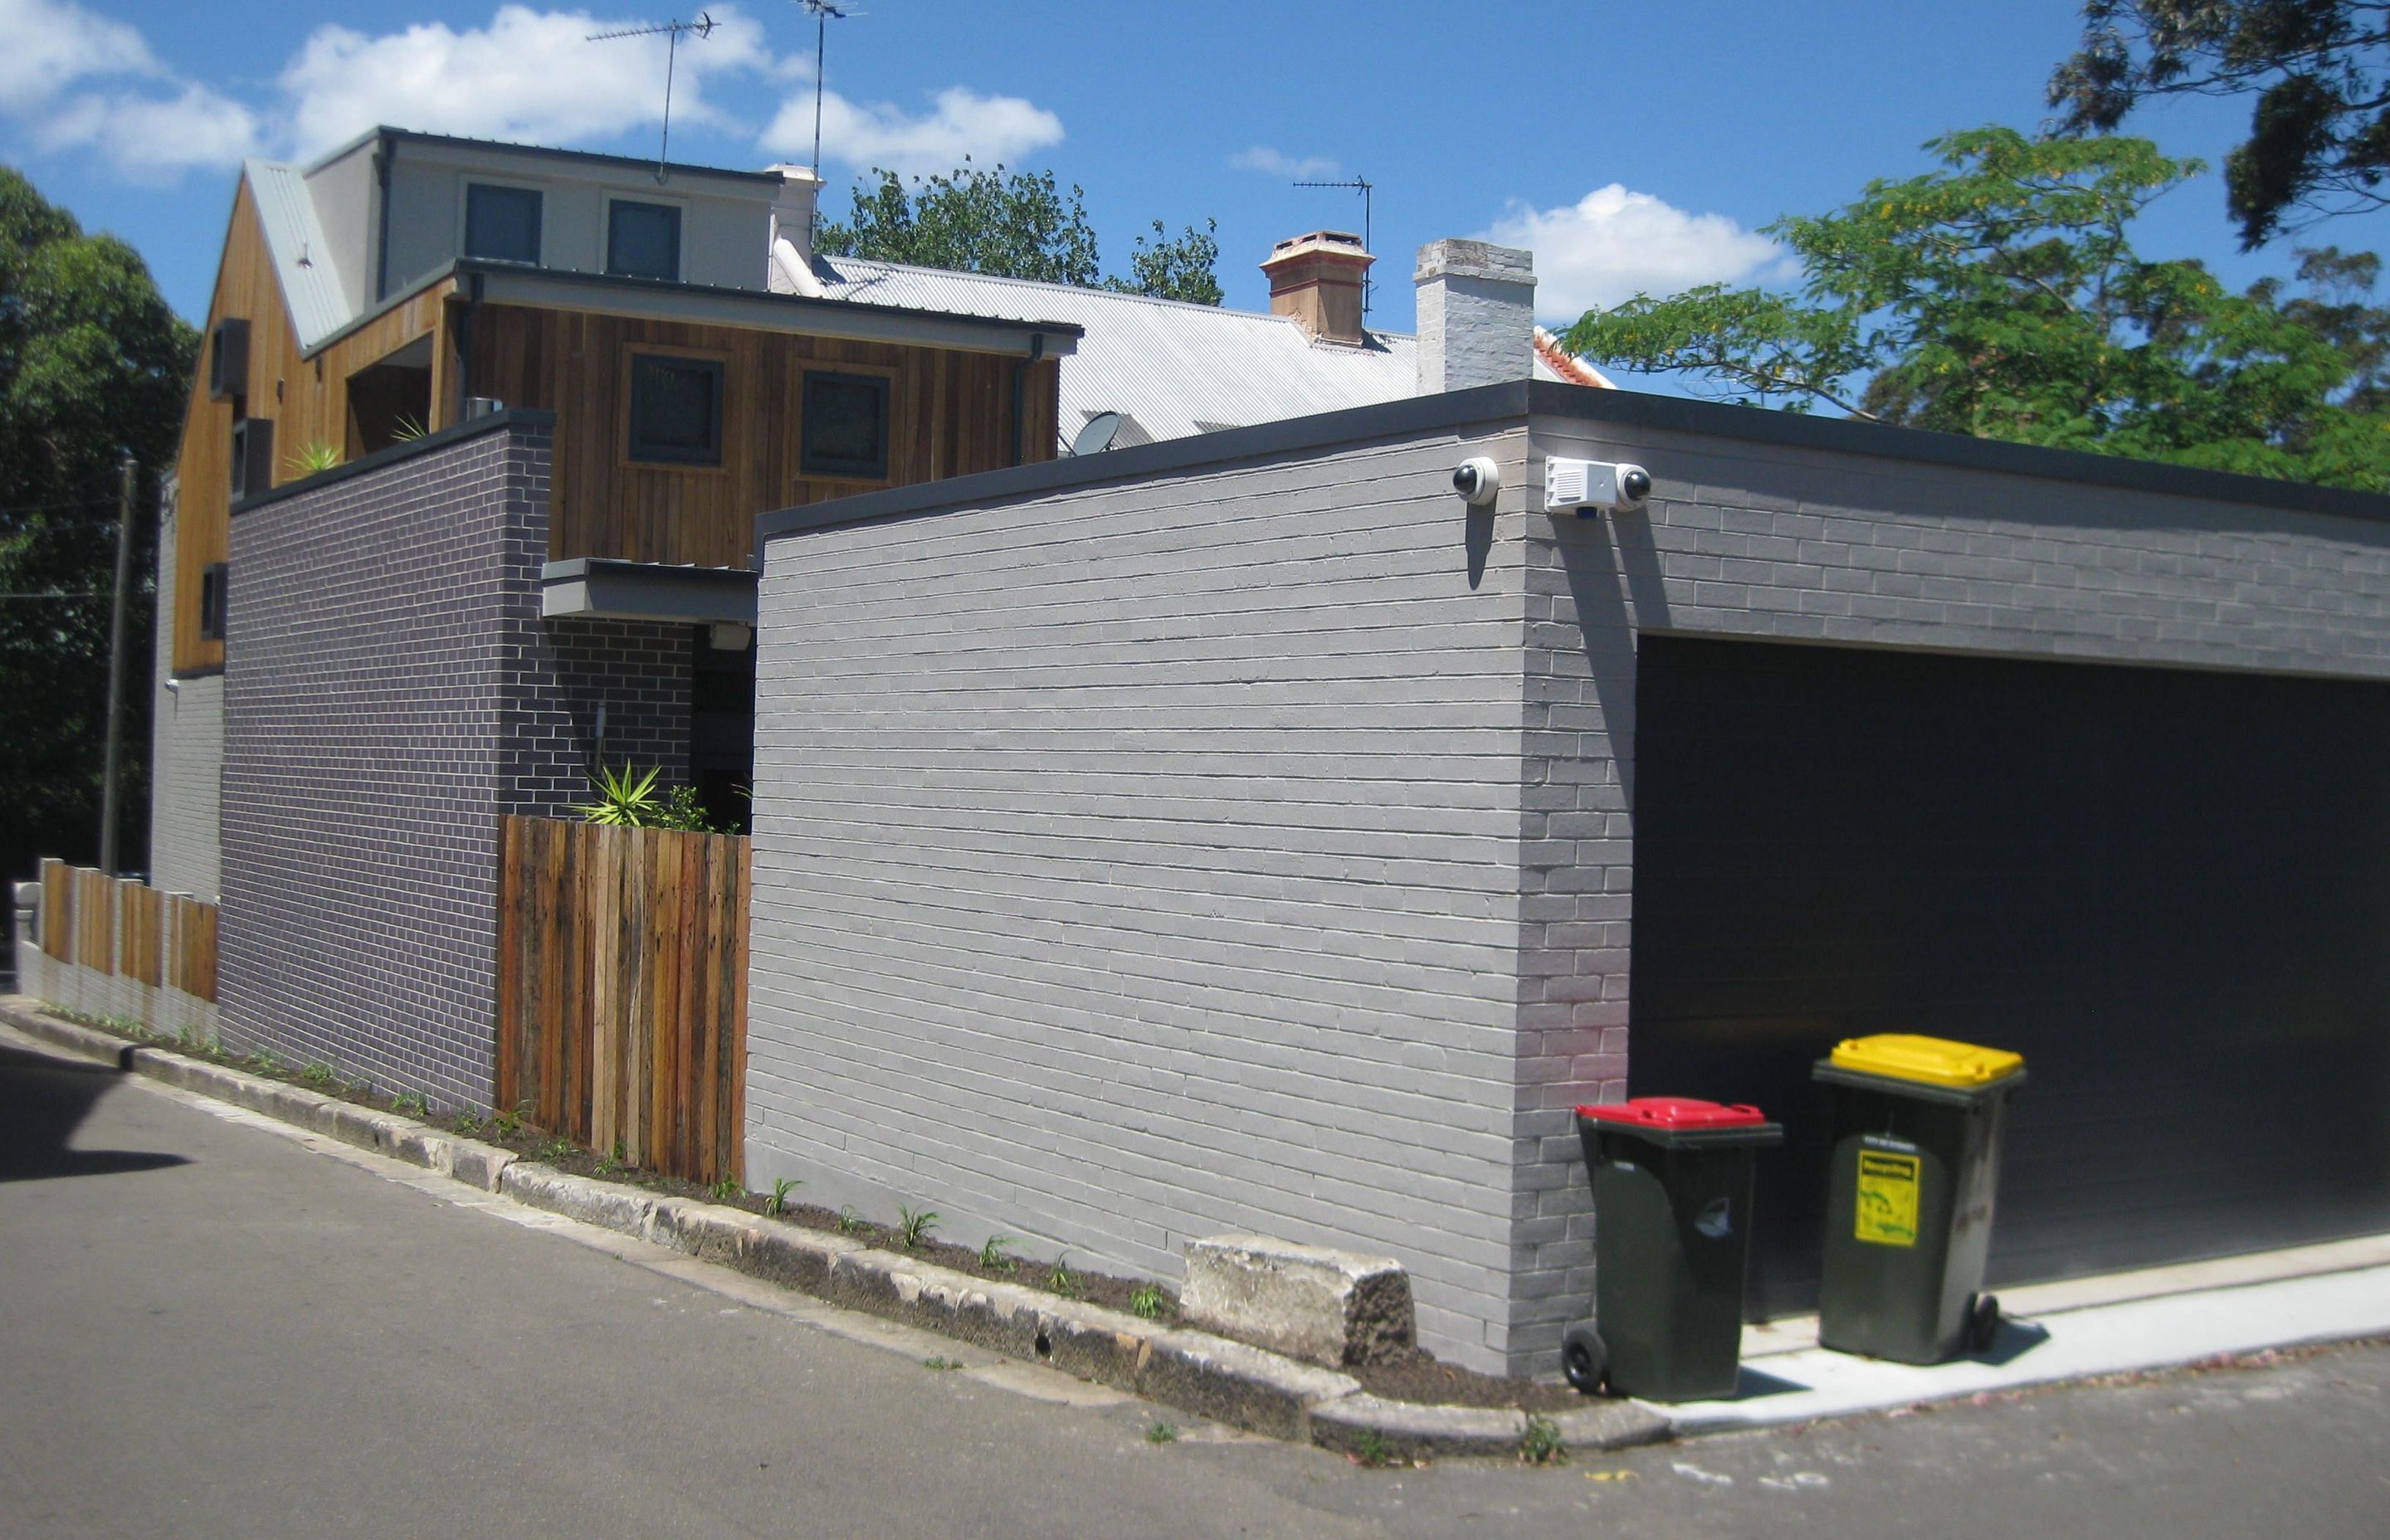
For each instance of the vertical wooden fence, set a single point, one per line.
(117, 927)
(623, 990)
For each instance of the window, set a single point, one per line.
(846, 426)
(211, 601)
(502, 223)
(643, 239)
(253, 456)
(229, 360)
(675, 409)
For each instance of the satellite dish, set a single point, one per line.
(1096, 436)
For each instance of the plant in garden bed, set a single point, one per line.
(1542, 1444)
(1148, 1300)
(728, 1191)
(992, 1257)
(913, 1227)
(311, 459)
(850, 1222)
(1060, 1281)
(627, 800)
(778, 1203)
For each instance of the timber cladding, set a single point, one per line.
(120, 927)
(305, 397)
(950, 414)
(623, 990)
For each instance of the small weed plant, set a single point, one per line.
(781, 1186)
(992, 1257)
(850, 1222)
(557, 1150)
(1542, 1445)
(913, 1226)
(941, 1362)
(319, 1074)
(728, 1190)
(509, 1123)
(413, 1104)
(465, 1123)
(194, 1041)
(1371, 1449)
(1162, 1432)
(1060, 1281)
(1148, 1300)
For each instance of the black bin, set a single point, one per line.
(1918, 1125)
(1672, 1181)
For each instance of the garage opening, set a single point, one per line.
(2169, 890)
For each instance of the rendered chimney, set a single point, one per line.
(1476, 314)
(1316, 278)
(787, 267)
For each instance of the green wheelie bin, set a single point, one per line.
(1672, 1181)
(1918, 1125)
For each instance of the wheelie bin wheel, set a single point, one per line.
(1585, 1359)
(1983, 1322)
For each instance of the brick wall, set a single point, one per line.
(1139, 863)
(391, 689)
(1808, 544)
(186, 751)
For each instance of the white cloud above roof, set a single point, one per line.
(959, 122)
(74, 80)
(529, 76)
(54, 46)
(1612, 244)
(152, 140)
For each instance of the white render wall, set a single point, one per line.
(185, 755)
(1139, 862)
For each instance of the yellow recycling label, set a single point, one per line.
(1887, 1210)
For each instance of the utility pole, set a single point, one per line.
(112, 759)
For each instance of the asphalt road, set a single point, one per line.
(210, 1329)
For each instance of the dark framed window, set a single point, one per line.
(229, 360)
(253, 456)
(212, 578)
(846, 426)
(643, 239)
(502, 223)
(675, 409)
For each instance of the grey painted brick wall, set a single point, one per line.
(1139, 863)
(389, 691)
(186, 751)
(1809, 545)
(1144, 858)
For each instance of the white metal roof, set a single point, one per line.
(303, 258)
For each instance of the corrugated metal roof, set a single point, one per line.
(1172, 368)
(303, 258)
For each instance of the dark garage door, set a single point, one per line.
(2169, 890)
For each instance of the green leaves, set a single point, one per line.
(627, 800)
(1016, 224)
(2000, 297)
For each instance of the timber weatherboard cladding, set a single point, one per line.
(305, 398)
(950, 415)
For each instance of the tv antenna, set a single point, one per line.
(1363, 185)
(702, 27)
(825, 12)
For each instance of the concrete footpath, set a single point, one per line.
(2054, 1332)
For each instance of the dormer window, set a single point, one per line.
(643, 239)
(502, 223)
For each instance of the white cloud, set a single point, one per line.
(961, 123)
(1613, 244)
(151, 140)
(52, 45)
(530, 75)
(76, 81)
(1260, 157)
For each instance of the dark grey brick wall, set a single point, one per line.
(391, 689)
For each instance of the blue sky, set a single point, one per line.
(1632, 146)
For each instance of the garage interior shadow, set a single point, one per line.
(2169, 890)
(43, 1101)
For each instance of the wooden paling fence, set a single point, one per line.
(129, 930)
(623, 990)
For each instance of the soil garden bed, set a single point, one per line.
(1418, 1376)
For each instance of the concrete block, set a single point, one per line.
(1312, 1302)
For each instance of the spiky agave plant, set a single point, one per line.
(624, 798)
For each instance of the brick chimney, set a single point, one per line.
(1476, 314)
(1316, 278)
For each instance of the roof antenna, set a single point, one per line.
(824, 11)
(702, 27)
(1361, 184)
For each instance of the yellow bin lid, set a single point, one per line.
(1934, 1060)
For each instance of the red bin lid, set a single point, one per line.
(1673, 1113)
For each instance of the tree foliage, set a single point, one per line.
(2320, 69)
(93, 363)
(1999, 297)
(1015, 225)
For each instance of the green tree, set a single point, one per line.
(1999, 297)
(93, 363)
(2318, 138)
(1015, 225)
